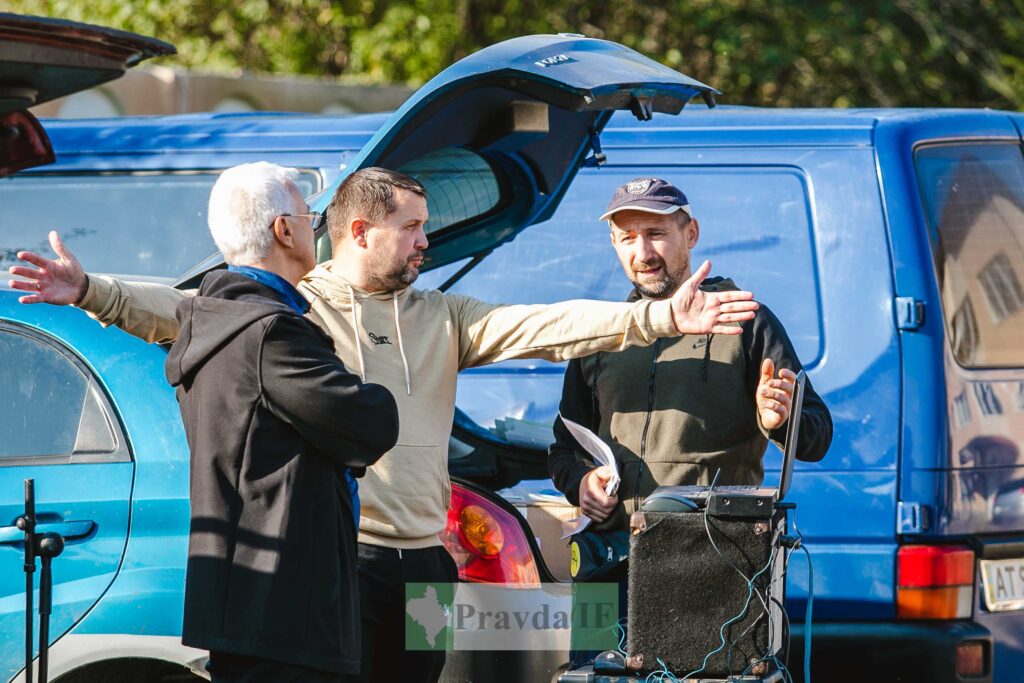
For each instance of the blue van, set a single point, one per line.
(851, 225)
(891, 245)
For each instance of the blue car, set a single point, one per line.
(852, 225)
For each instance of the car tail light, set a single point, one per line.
(23, 143)
(970, 659)
(487, 542)
(934, 582)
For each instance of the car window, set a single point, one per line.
(460, 185)
(146, 225)
(49, 406)
(974, 200)
(752, 220)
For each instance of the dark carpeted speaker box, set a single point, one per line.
(682, 592)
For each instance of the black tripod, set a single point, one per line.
(46, 546)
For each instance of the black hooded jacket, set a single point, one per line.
(680, 411)
(273, 418)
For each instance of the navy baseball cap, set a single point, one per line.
(651, 195)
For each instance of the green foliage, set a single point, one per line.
(759, 52)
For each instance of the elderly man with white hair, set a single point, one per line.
(275, 425)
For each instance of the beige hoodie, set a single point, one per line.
(414, 342)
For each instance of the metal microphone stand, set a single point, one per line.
(27, 523)
(46, 546)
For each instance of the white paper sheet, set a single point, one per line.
(602, 455)
(597, 449)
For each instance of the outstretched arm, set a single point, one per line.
(59, 282)
(570, 329)
(143, 309)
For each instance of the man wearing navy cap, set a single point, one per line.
(683, 409)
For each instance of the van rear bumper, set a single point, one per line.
(889, 651)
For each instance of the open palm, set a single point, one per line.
(697, 312)
(61, 281)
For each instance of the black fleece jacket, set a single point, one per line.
(273, 418)
(681, 410)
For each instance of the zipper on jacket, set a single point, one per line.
(647, 423)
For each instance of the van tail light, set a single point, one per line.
(487, 542)
(934, 582)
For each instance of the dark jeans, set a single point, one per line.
(228, 668)
(383, 573)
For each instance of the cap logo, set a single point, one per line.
(638, 186)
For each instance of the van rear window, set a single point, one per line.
(138, 225)
(974, 198)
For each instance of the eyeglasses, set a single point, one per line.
(316, 219)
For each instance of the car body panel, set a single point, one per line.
(96, 492)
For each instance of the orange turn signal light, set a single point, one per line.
(948, 602)
(481, 531)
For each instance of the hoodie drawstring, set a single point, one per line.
(401, 348)
(355, 326)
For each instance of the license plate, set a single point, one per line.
(1002, 583)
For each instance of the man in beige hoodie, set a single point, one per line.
(414, 342)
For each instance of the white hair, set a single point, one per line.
(244, 202)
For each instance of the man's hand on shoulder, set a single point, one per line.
(58, 282)
(774, 395)
(595, 503)
(698, 312)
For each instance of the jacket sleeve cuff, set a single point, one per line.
(659, 315)
(97, 295)
(572, 492)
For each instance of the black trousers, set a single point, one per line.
(383, 573)
(229, 668)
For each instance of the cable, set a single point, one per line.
(750, 586)
(808, 626)
(746, 604)
(807, 617)
(622, 636)
(662, 674)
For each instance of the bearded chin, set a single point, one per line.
(659, 289)
(408, 275)
(654, 290)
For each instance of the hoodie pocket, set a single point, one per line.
(406, 494)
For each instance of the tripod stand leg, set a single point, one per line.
(27, 523)
(29, 616)
(50, 546)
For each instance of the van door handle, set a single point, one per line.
(69, 530)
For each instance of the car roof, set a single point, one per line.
(766, 126)
(281, 131)
(269, 131)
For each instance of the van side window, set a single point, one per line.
(974, 200)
